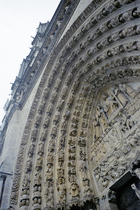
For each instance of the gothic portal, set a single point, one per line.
(70, 138)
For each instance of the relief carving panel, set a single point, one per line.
(60, 148)
(116, 130)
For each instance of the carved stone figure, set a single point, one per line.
(97, 128)
(87, 189)
(61, 193)
(37, 179)
(28, 166)
(49, 172)
(136, 12)
(82, 142)
(46, 93)
(84, 170)
(137, 172)
(133, 186)
(31, 150)
(56, 118)
(74, 190)
(38, 120)
(41, 149)
(26, 185)
(54, 131)
(49, 193)
(43, 134)
(60, 172)
(34, 134)
(53, 97)
(39, 163)
(60, 104)
(50, 109)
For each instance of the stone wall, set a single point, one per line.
(79, 144)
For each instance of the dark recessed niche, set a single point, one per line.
(126, 196)
(89, 205)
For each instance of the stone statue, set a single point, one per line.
(133, 186)
(137, 172)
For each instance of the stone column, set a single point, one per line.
(5, 187)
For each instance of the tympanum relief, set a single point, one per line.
(116, 133)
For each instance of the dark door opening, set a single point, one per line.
(126, 196)
(88, 205)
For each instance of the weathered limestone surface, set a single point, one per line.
(12, 143)
(14, 134)
(72, 129)
(82, 5)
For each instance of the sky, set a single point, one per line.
(19, 20)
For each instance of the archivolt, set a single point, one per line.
(55, 171)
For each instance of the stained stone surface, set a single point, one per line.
(81, 6)
(72, 126)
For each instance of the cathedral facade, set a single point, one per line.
(70, 139)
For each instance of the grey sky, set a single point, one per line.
(18, 22)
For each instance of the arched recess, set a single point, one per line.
(89, 92)
(109, 135)
(115, 131)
